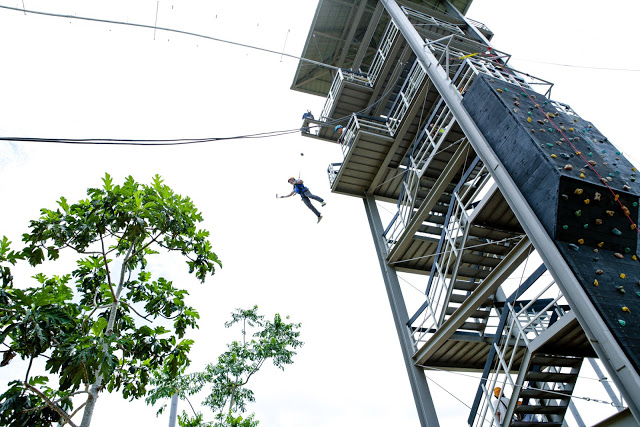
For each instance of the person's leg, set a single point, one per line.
(310, 206)
(311, 196)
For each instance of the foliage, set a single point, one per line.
(272, 340)
(108, 324)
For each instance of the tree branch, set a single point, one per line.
(106, 266)
(52, 405)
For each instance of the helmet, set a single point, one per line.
(292, 178)
(496, 391)
(337, 128)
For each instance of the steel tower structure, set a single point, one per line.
(487, 176)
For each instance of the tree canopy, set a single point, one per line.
(274, 340)
(108, 323)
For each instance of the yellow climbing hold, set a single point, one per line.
(581, 241)
(633, 226)
(601, 244)
(610, 213)
(595, 282)
(570, 129)
(633, 257)
(626, 309)
(553, 156)
(581, 175)
(587, 201)
(578, 191)
(528, 119)
(598, 221)
(616, 197)
(578, 153)
(499, 90)
(622, 275)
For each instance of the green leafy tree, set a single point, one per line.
(271, 340)
(108, 324)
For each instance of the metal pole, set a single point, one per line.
(419, 385)
(173, 414)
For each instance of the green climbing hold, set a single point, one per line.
(618, 153)
(627, 250)
(590, 154)
(565, 227)
(621, 289)
(635, 204)
(638, 293)
(578, 213)
(586, 226)
(616, 232)
(549, 144)
(622, 322)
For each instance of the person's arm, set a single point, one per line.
(288, 195)
(299, 181)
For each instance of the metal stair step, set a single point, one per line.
(540, 409)
(536, 424)
(551, 377)
(544, 360)
(545, 394)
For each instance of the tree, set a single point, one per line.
(110, 330)
(273, 340)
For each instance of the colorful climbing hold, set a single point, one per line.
(618, 255)
(553, 156)
(574, 247)
(610, 213)
(578, 191)
(622, 322)
(581, 241)
(578, 213)
(565, 197)
(622, 275)
(601, 244)
(565, 227)
(568, 167)
(499, 90)
(597, 196)
(582, 175)
(595, 282)
(627, 250)
(599, 272)
(549, 144)
(570, 129)
(598, 221)
(528, 119)
(621, 289)
(626, 309)
(616, 232)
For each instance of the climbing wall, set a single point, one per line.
(582, 189)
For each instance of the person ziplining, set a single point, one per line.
(299, 188)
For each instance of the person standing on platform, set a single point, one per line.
(299, 188)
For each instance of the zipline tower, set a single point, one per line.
(487, 178)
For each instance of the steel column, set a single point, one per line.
(419, 385)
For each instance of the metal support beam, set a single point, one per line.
(366, 40)
(419, 385)
(618, 365)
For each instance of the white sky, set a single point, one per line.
(76, 79)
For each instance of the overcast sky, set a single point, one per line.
(77, 79)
